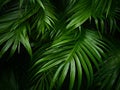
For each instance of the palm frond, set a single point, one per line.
(44, 18)
(70, 55)
(108, 76)
(15, 18)
(105, 15)
(43, 82)
(8, 17)
(13, 38)
(78, 13)
(61, 39)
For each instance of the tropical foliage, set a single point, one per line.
(59, 44)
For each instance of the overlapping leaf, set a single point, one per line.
(15, 17)
(71, 55)
(105, 15)
(108, 77)
(13, 38)
(45, 17)
(64, 55)
(79, 13)
(12, 32)
(8, 17)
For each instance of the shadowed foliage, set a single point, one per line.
(59, 44)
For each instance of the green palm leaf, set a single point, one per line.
(78, 13)
(44, 19)
(13, 39)
(105, 15)
(108, 76)
(61, 40)
(67, 56)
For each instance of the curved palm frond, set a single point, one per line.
(78, 13)
(14, 30)
(44, 19)
(13, 38)
(43, 82)
(71, 55)
(17, 18)
(109, 75)
(66, 50)
(106, 15)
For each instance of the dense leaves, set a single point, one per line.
(71, 55)
(108, 76)
(68, 42)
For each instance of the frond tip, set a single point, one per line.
(13, 38)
